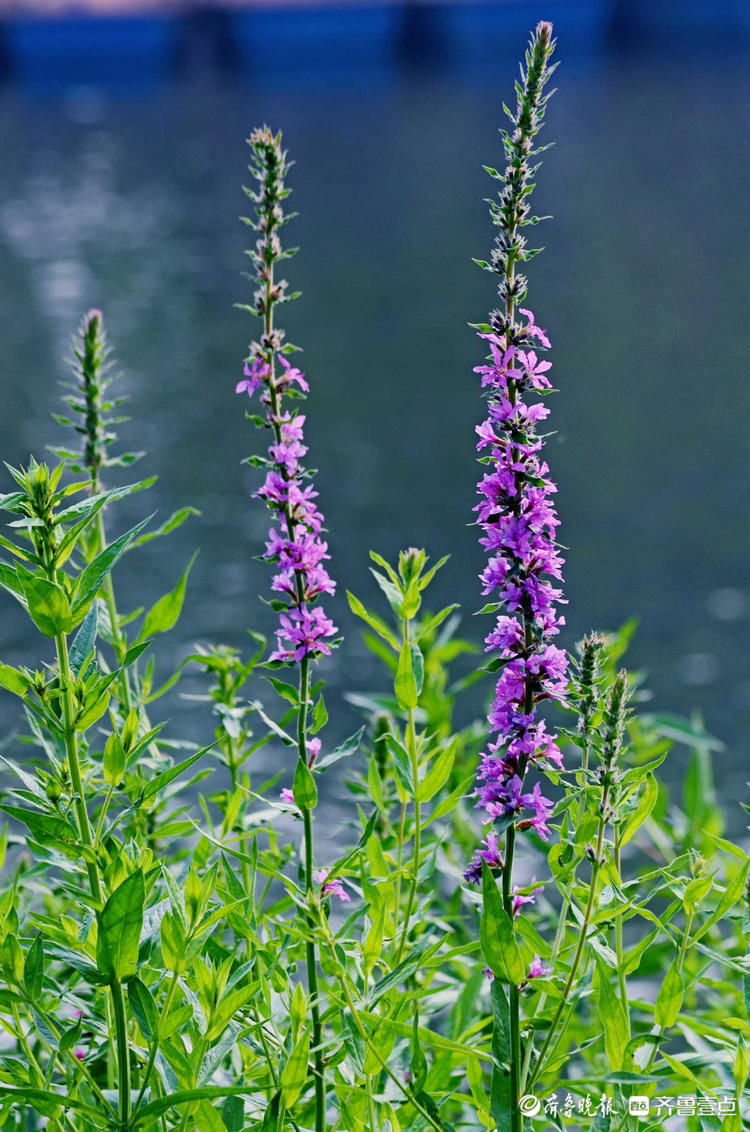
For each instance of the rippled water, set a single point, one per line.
(131, 204)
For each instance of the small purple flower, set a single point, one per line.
(256, 372)
(519, 899)
(333, 887)
(313, 750)
(537, 970)
(489, 854)
(287, 797)
(303, 633)
(79, 1053)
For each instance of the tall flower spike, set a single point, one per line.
(91, 405)
(294, 543)
(516, 512)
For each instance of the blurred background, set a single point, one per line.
(122, 132)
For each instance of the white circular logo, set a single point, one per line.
(530, 1105)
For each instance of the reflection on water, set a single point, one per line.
(132, 205)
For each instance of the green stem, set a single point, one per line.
(155, 1044)
(304, 694)
(84, 829)
(123, 1053)
(108, 591)
(310, 948)
(516, 1118)
(373, 1049)
(71, 749)
(103, 814)
(24, 1043)
(565, 908)
(199, 1053)
(579, 946)
(619, 949)
(400, 863)
(411, 743)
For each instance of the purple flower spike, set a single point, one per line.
(294, 543)
(519, 523)
(516, 512)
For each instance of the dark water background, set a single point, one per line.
(130, 202)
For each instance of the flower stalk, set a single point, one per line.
(519, 522)
(294, 543)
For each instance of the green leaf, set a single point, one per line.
(120, 922)
(373, 943)
(645, 805)
(497, 937)
(272, 1116)
(33, 968)
(434, 622)
(233, 1114)
(92, 578)
(320, 716)
(669, 998)
(294, 1073)
(48, 605)
(729, 899)
(405, 684)
(13, 680)
(696, 891)
(175, 520)
(418, 1061)
(143, 1008)
(85, 639)
(187, 1096)
(37, 1097)
(403, 970)
(438, 774)
(401, 762)
(153, 787)
(164, 615)
(349, 747)
(393, 594)
(288, 691)
(44, 827)
(114, 760)
(500, 1091)
(417, 664)
(613, 1019)
(372, 620)
(305, 791)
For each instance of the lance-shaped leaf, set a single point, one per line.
(669, 998)
(164, 615)
(13, 680)
(294, 1073)
(305, 790)
(613, 1018)
(85, 639)
(406, 682)
(92, 577)
(48, 605)
(499, 946)
(175, 520)
(33, 968)
(120, 922)
(144, 1009)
